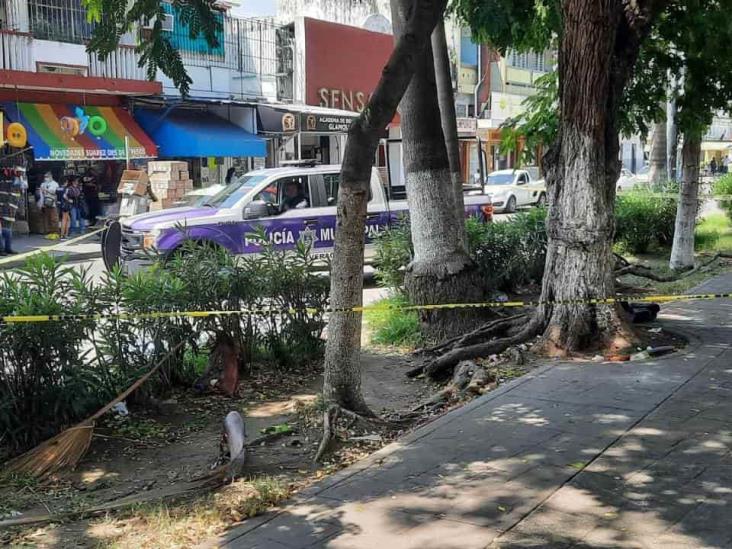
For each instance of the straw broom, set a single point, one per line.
(69, 446)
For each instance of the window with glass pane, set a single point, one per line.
(60, 20)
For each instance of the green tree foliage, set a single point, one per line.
(689, 43)
(114, 18)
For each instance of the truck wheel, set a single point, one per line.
(511, 204)
(541, 203)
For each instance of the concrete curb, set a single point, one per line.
(68, 257)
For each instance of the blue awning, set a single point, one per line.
(191, 133)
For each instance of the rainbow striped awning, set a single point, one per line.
(80, 132)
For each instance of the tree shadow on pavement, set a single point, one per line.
(574, 455)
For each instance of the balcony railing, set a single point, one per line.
(15, 51)
(59, 20)
(121, 63)
(253, 48)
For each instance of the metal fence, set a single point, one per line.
(59, 20)
(251, 47)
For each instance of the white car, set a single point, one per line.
(629, 181)
(512, 189)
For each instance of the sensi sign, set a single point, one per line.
(348, 100)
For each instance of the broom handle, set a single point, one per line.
(123, 395)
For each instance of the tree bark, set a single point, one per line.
(441, 271)
(597, 52)
(342, 383)
(446, 100)
(657, 172)
(682, 252)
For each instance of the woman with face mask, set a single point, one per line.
(47, 202)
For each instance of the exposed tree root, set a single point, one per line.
(624, 267)
(468, 378)
(486, 330)
(493, 329)
(330, 418)
(471, 345)
(442, 364)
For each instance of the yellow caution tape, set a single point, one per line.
(37, 251)
(21, 319)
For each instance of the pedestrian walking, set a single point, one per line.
(713, 166)
(48, 202)
(230, 173)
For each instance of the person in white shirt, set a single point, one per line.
(47, 201)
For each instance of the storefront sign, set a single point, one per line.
(325, 123)
(506, 105)
(343, 64)
(467, 126)
(348, 100)
(81, 122)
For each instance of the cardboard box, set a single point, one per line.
(133, 182)
(166, 166)
(183, 174)
(161, 177)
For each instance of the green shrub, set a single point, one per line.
(53, 374)
(643, 220)
(393, 253)
(510, 254)
(393, 326)
(723, 187)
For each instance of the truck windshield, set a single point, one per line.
(233, 193)
(500, 178)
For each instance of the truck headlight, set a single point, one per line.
(150, 239)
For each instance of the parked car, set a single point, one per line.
(512, 189)
(292, 204)
(626, 181)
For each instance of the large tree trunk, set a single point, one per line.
(597, 52)
(446, 100)
(682, 252)
(342, 384)
(657, 172)
(441, 271)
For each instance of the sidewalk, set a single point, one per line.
(74, 251)
(572, 455)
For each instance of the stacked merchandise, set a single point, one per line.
(169, 181)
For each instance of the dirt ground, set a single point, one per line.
(152, 454)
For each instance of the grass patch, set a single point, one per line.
(393, 326)
(188, 524)
(714, 234)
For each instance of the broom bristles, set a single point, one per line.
(68, 447)
(64, 450)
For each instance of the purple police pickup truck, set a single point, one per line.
(292, 204)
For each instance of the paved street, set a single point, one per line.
(573, 455)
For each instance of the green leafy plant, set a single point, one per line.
(393, 253)
(393, 326)
(723, 188)
(643, 220)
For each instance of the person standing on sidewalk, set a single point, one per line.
(10, 187)
(90, 192)
(47, 202)
(73, 209)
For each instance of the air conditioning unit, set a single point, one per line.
(168, 22)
